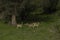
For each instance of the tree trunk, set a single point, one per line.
(13, 20)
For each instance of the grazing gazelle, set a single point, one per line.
(33, 25)
(19, 26)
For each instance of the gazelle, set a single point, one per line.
(19, 26)
(33, 25)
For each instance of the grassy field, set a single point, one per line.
(46, 31)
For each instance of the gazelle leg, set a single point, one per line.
(34, 29)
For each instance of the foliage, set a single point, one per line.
(28, 9)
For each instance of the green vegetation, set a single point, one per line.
(46, 31)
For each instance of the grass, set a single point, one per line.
(46, 31)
